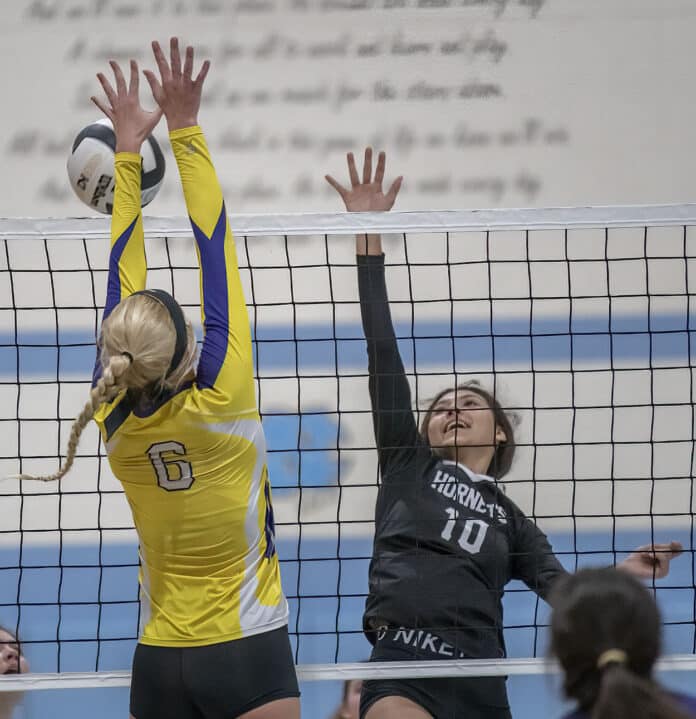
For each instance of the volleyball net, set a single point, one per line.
(579, 319)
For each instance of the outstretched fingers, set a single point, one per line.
(134, 84)
(132, 123)
(188, 63)
(162, 65)
(153, 82)
(366, 194)
(352, 170)
(394, 191)
(120, 79)
(381, 165)
(106, 110)
(200, 78)
(342, 191)
(175, 90)
(108, 90)
(175, 57)
(367, 166)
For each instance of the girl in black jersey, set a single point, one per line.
(447, 539)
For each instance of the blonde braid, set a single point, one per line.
(107, 388)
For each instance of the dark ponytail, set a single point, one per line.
(625, 694)
(605, 632)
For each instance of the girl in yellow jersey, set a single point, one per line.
(186, 441)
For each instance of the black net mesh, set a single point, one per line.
(584, 335)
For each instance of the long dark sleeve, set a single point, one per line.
(533, 558)
(395, 427)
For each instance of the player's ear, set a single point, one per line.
(500, 436)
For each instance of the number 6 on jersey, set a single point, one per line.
(162, 466)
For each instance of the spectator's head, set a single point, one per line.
(605, 632)
(12, 661)
(350, 703)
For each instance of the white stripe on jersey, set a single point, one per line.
(253, 616)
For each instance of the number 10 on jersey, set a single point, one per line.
(471, 534)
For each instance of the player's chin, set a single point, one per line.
(447, 442)
(462, 439)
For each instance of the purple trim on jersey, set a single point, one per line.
(113, 287)
(269, 523)
(98, 369)
(147, 407)
(215, 301)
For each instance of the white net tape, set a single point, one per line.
(382, 222)
(348, 670)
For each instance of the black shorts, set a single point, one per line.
(447, 698)
(218, 681)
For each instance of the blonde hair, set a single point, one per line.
(136, 346)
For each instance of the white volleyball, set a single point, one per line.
(91, 166)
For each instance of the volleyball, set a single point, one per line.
(91, 166)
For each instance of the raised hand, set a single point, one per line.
(651, 560)
(176, 92)
(366, 195)
(132, 124)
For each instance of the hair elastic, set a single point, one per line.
(127, 354)
(611, 656)
(177, 315)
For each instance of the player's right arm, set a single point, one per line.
(127, 266)
(395, 428)
(132, 125)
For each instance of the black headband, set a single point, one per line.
(177, 315)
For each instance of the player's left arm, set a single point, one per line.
(225, 367)
(533, 559)
(132, 125)
(226, 363)
(535, 562)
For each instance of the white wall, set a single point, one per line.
(585, 101)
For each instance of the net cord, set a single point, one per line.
(344, 223)
(341, 672)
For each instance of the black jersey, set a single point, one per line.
(447, 540)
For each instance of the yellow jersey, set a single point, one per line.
(193, 464)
